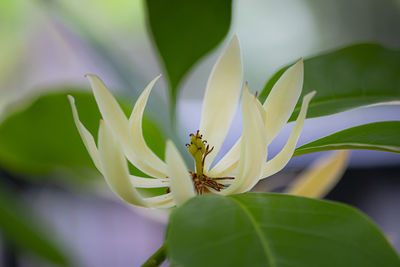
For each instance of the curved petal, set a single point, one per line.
(161, 202)
(109, 109)
(115, 168)
(181, 184)
(117, 121)
(282, 99)
(279, 161)
(86, 136)
(142, 182)
(321, 176)
(221, 98)
(228, 163)
(138, 144)
(253, 152)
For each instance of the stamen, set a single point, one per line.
(224, 178)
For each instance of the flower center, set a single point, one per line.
(199, 149)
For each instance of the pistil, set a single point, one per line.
(199, 149)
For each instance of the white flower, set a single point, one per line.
(121, 139)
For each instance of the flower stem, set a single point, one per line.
(157, 258)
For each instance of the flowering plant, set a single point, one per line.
(215, 216)
(237, 172)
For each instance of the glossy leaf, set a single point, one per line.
(348, 78)
(274, 230)
(381, 136)
(43, 137)
(24, 232)
(184, 31)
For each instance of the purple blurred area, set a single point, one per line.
(98, 231)
(53, 43)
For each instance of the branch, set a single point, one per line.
(157, 258)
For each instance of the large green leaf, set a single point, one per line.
(184, 31)
(274, 230)
(24, 232)
(382, 136)
(43, 138)
(351, 77)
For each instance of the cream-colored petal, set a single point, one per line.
(275, 113)
(221, 98)
(282, 158)
(117, 121)
(261, 110)
(110, 109)
(86, 136)
(164, 205)
(161, 202)
(282, 99)
(138, 144)
(229, 161)
(148, 182)
(321, 176)
(115, 168)
(159, 198)
(181, 184)
(253, 152)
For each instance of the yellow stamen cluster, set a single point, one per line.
(199, 149)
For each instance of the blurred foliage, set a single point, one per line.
(113, 18)
(274, 230)
(342, 21)
(42, 138)
(382, 136)
(24, 231)
(115, 34)
(351, 77)
(184, 31)
(13, 35)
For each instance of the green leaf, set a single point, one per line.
(274, 230)
(24, 231)
(43, 138)
(381, 136)
(184, 31)
(348, 78)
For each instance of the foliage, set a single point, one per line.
(274, 230)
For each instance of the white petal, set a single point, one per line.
(221, 98)
(282, 99)
(282, 158)
(229, 161)
(110, 109)
(181, 184)
(86, 136)
(261, 110)
(162, 202)
(115, 168)
(117, 121)
(253, 152)
(148, 182)
(138, 144)
(321, 176)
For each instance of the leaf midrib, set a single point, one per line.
(259, 233)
